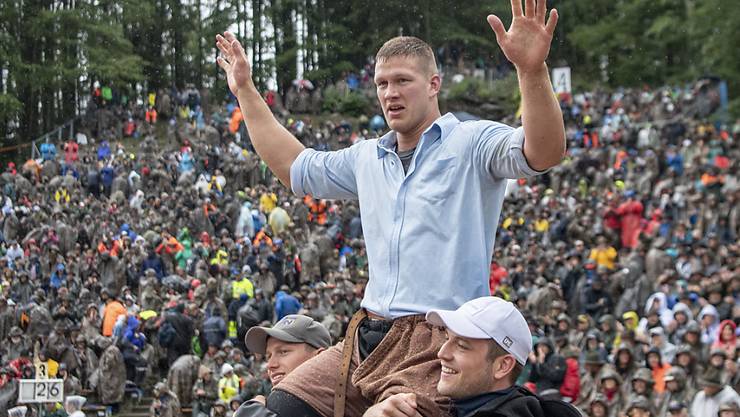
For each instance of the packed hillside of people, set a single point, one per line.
(143, 267)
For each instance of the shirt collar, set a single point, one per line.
(441, 128)
(467, 406)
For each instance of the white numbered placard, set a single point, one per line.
(561, 80)
(41, 391)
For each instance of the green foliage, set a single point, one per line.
(353, 103)
(504, 92)
(10, 106)
(471, 89)
(734, 108)
(58, 48)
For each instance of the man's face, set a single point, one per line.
(684, 360)
(284, 357)
(717, 361)
(593, 369)
(711, 390)
(653, 360)
(466, 368)
(598, 410)
(671, 386)
(609, 384)
(406, 92)
(639, 386)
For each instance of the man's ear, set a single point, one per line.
(435, 84)
(503, 366)
(318, 351)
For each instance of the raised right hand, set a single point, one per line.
(234, 62)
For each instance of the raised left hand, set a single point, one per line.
(527, 42)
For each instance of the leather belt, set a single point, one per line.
(340, 391)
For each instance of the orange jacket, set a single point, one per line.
(261, 235)
(110, 314)
(171, 246)
(317, 212)
(115, 247)
(236, 119)
(659, 377)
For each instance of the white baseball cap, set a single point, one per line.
(488, 318)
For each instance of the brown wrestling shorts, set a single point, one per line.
(405, 361)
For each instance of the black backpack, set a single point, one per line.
(166, 335)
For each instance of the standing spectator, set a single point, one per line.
(548, 368)
(714, 393)
(181, 342)
(205, 392)
(630, 219)
(165, 404)
(113, 310)
(228, 385)
(285, 303)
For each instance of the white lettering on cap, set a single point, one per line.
(286, 322)
(507, 342)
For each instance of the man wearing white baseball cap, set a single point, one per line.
(488, 342)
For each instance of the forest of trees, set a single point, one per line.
(52, 51)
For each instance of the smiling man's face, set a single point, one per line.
(466, 367)
(283, 357)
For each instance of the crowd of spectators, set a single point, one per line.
(142, 266)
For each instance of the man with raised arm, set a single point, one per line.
(409, 183)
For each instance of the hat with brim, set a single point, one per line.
(488, 318)
(593, 358)
(256, 339)
(293, 328)
(711, 378)
(640, 403)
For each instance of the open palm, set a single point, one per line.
(234, 62)
(527, 42)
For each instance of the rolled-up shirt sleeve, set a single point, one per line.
(498, 149)
(329, 175)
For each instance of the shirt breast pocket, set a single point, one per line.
(436, 179)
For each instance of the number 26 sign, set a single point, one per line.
(41, 391)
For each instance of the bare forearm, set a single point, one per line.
(273, 143)
(544, 133)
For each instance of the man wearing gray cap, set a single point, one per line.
(290, 342)
(488, 343)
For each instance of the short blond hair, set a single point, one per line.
(408, 46)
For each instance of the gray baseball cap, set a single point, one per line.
(293, 328)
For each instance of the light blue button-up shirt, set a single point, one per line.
(430, 232)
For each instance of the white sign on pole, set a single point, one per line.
(561, 79)
(41, 391)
